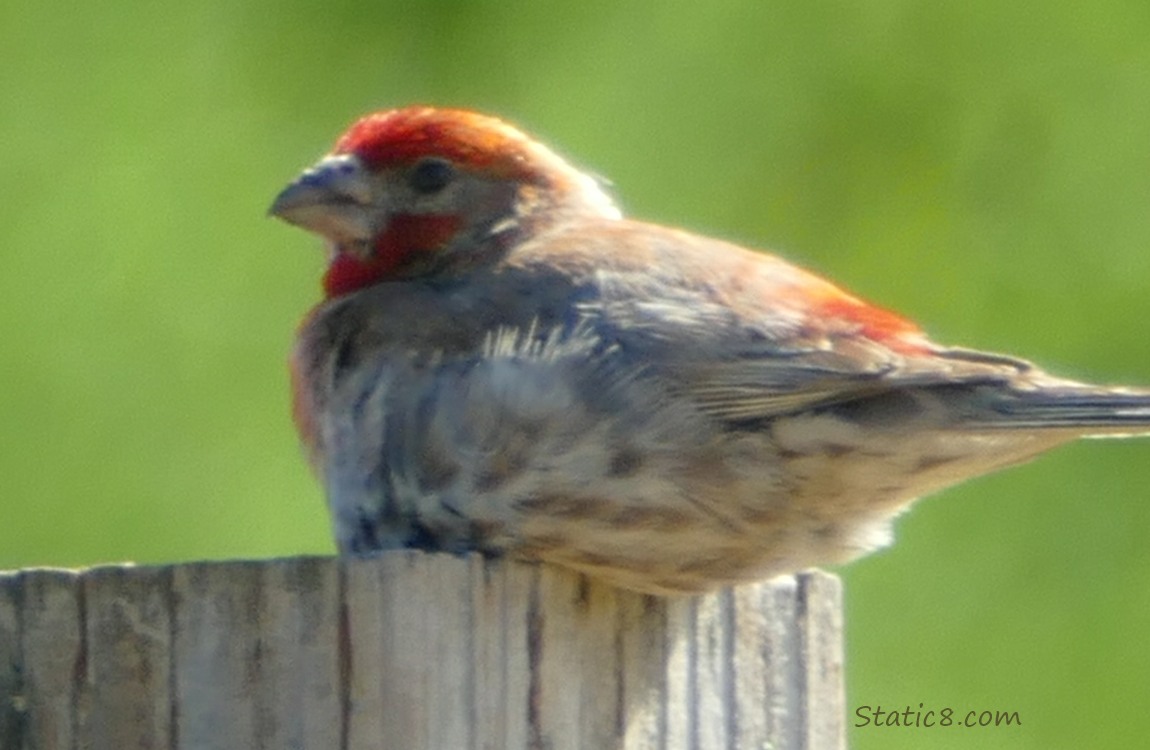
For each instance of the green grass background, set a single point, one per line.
(983, 167)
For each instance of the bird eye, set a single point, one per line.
(430, 176)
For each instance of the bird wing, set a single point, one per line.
(748, 336)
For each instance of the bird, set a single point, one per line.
(504, 364)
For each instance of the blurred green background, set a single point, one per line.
(983, 167)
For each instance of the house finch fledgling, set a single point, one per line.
(505, 364)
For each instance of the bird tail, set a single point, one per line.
(1084, 410)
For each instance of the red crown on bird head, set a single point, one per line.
(401, 136)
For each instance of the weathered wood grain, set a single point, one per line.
(411, 651)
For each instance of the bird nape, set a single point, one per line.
(505, 364)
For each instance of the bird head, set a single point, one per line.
(419, 191)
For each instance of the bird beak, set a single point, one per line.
(334, 199)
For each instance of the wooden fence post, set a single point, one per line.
(411, 651)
